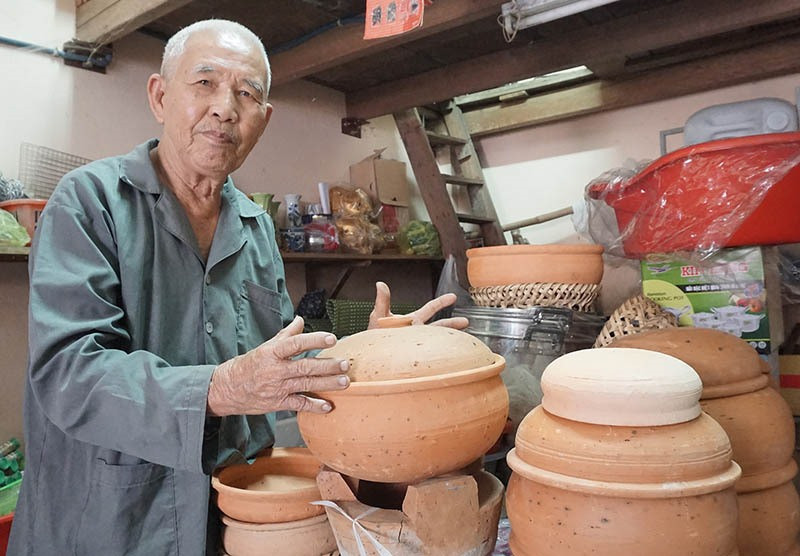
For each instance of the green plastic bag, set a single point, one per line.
(419, 238)
(12, 232)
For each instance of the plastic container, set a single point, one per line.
(5, 532)
(8, 497)
(696, 196)
(26, 211)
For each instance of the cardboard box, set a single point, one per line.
(790, 381)
(385, 182)
(727, 292)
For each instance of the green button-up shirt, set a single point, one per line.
(127, 323)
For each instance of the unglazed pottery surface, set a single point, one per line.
(522, 264)
(775, 532)
(727, 365)
(550, 521)
(275, 488)
(612, 386)
(423, 401)
(307, 537)
(409, 352)
(663, 486)
(624, 454)
(759, 424)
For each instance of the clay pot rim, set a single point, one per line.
(268, 496)
(566, 249)
(735, 388)
(284, 526)
(676, 489)
(768, 479)
(416, 384)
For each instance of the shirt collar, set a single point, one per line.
(137, 170)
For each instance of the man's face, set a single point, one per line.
(213, 105)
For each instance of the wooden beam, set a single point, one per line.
(345, 44)
(762, 62)
(104, 21)
(660, 27)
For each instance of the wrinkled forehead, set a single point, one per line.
(222, 49)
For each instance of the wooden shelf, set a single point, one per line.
(292, 257)
(348, 262)
(14, 254)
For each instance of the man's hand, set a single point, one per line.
(383, 299)
(266, 379)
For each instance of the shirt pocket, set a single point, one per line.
(259, 315)
(130, 509)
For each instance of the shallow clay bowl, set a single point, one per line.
(423, 401)
(308, 537)
(275, 488)
(501, 265)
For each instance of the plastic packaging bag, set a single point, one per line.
(12, 232)
(419, 238)
(11, 189)
(698, 199)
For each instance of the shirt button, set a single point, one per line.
(208, 280)
(209, 327)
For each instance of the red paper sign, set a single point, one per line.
(385, 18)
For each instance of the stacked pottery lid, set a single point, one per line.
(727, 365)
(656, 433)
(396, 350)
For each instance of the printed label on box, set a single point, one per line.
(725, 292)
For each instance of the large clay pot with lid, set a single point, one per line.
(760, 426)
(619, 459)
(422, 401)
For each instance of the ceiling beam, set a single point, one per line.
(345, 44)
(660, 27)
(733, 68)
(104, 21)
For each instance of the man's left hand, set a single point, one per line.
(422, 315)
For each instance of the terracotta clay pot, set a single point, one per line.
(275, 488)
(775, 532)
(758, 421)
(501, 265)
(312, 536)
(626, 464)
(423, 401)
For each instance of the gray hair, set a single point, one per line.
(177, 43)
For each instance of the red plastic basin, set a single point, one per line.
(5, 532)
(683, 200)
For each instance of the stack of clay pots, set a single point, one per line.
(553, 275)
(760, 426)
(267, 506)
(620, 460)
(423, 402)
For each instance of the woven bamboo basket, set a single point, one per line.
(635, 315)
(578, 297)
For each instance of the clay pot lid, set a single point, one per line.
(625, 387)
(727, 365)
(398, 350)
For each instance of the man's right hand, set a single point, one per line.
(267, 379)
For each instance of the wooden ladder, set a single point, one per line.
(460, 196)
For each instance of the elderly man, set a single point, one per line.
(161, 333)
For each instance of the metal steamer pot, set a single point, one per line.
(529, 339)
